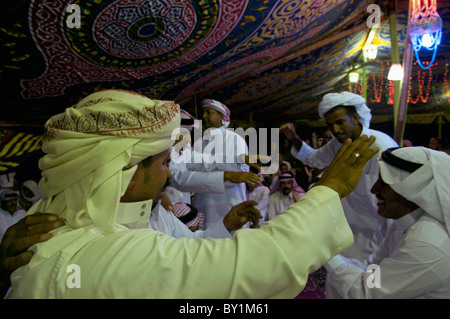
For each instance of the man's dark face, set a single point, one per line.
(212, 118)
(286, 187)
(10, 205)
(390, 203)
(342, 125)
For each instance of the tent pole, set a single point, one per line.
(395, 58)
(403, 103)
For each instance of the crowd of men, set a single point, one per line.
(143, 218)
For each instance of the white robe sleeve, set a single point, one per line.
(224, 158)
(218, 230)
(198, 182)
(410, 272)
(317, 158)
(143, 263)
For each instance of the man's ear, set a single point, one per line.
(355, 118)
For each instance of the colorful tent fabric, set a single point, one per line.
(271, 58)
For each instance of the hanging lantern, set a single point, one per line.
(425, 28)
(395, 72)
(353, 77)
(370, 51)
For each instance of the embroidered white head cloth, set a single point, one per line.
(428, 186)
(87, 148)
(331, 100)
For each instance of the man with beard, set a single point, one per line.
(223, 148)
(284, 193)
(347, 116)
(125, 169)
(414, 259)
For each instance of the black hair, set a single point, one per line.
(350, 109)
(146, 162)
(398, 162)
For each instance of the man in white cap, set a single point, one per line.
(116, 145)
(29, 194)
(414, 259)
(347, 116)
(221, 149)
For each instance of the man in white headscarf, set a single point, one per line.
(347, 116)
(185, 181)
(10, 213)
(115, 145)
(29, 194)
(285, 192)
(220, 150)
(414, 259)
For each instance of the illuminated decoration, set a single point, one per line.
(370, 51)
(357, 88)
(396, 72)
(353, 77)
(391, 93)
(420, 85)
(425, 28)
(378, 93)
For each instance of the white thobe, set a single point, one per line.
(7, 220)
(219, 157)
(278, 203)
(144, 263)
(169, 224)
(261, 195)
(197, 182)
(360, 206)
(185, 181)
(414, 262)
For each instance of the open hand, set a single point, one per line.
(241, 177)
(289, 130)
(344, 172)
(30, 230)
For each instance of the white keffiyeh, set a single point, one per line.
(331, 100)
(428, 186)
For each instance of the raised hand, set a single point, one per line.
(344, 172)
(289, 131)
